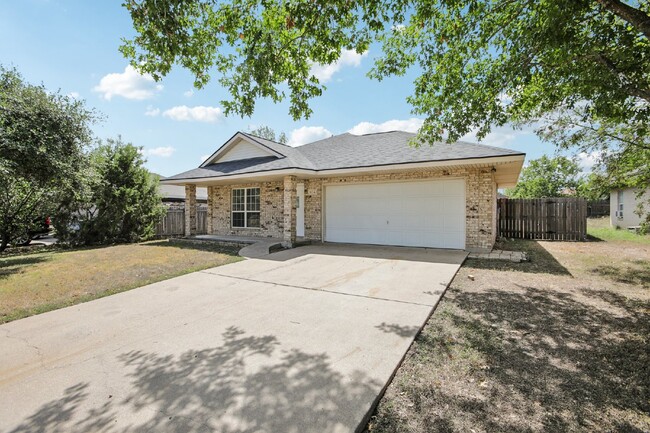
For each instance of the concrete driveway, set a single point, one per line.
(304, 340)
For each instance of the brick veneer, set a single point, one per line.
(480, 213)
(289, 201)
(190, 210)
(271, 210)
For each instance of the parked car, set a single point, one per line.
(40, 228)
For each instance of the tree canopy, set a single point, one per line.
(119, 200)
(482, 63)
(269, 133)
(42, 140)
(547, 177)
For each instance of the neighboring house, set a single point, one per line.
(369, 189)
(623, 204)
(176, 194)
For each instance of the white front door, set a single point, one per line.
(300, 209)
(423, 214)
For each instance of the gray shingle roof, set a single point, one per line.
(348, 151)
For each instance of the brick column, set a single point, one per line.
(289, 228)
(209, 223)
(190, 210)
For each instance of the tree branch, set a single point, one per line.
(636, 17)
(627, 85)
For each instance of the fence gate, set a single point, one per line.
(173, 222)
(558, 219)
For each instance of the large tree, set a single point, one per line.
(42, 138)
(118, 201)
(482, 62)
(547, 177)
(268, 133)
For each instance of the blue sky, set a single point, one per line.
(73, 46)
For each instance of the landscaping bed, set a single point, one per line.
(40, 280)
(556, 344)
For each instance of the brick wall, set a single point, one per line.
(313, 208)
(190, 210)
(480, 207)
(271, 210)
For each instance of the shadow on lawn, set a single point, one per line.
(216, 247)
(555, 363)
(637, 275)
(245, 385)
(540, 260)
(16, 264)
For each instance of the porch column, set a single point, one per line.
(289, 231)
(190, 210)
(208, 223)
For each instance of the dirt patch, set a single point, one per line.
(557, 344)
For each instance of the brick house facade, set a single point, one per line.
(278, 198)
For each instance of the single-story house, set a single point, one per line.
(369, 189)
(623, 203)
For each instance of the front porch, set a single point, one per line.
(277, 213)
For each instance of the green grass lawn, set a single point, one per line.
(600, 228)
(47, 279)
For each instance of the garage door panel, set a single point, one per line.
(423, 213)
(451, 224)
(422, 189)
(453, 205)
(454, 189)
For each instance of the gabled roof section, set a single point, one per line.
(243, 146)
(386, 150)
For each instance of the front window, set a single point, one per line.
(246, 207)
(619, 211)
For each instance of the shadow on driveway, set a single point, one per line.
(214, 390)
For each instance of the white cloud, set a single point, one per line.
(152, 112)
(189, 93)
(409, 125)
(501, 136)
(194, 114)
(308, 134)
(74, 95)
(587, 161)
(204, 157)
(128, 84)
(163, 151)
(324, 73)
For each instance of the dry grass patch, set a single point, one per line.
(42, 281)
(557, 344)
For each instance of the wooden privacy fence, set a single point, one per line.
(173, 222)
(559, 219)
(597, 208)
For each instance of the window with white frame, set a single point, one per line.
(619, 210)
(245, 208)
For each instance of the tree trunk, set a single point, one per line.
(636, 17)
(4, 242)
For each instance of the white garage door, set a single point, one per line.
(422, 214)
